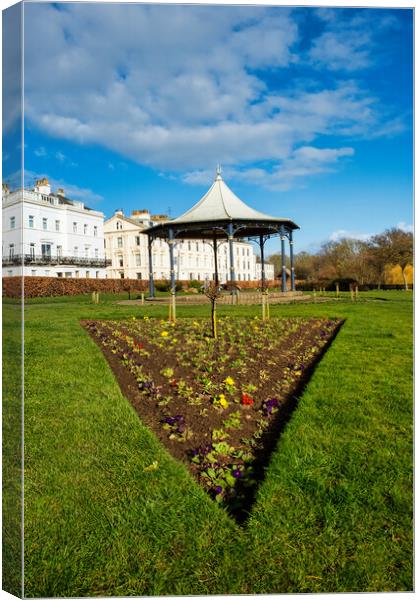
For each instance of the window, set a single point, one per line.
(96, 253)
(33, 272)
(57, 225)
(76, 274)
(44, 223)
(68, 274)
(119, 225)
(137, 240)
(119, 242)
(12, 222)
(122, 275)
(95, 231)
(196, 246)
(239, 277)
(197, 261)
(74, 227)
(97, 274)
(59, 251)
(121, 261)
(32, 251)
(46, 250)
(85, 228)
(189, 246)
(138, 275)
(86, 251)
(76, 251)
(11, 250)
(10, 273)
(31, 221)
(87, 274)
(138, 260)
(60, 274)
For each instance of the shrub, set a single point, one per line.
(36, 287)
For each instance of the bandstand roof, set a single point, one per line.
(210, 215)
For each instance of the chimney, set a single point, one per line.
(42, 186)
(60, 192)
(119, 212)
(5, 189)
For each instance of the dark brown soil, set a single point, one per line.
(276, 357)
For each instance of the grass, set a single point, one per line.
(333, 513)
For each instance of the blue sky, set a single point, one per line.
(308, 110)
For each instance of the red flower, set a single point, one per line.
(173, 382)
(140, 346)
(247, 400)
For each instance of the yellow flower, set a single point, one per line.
(229, 381)
(164, 333)
(221, 401)
(146, 318)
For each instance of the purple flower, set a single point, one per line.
(218, 489)
(237, 473)
(269, 405)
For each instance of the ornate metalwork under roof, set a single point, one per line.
(219, 207)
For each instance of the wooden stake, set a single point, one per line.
(337, 289)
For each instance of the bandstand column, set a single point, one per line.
(292, 268)
(231, 257)
(171, 243)
(151, 281)
(216, 270)
(262, 262)
(283, 260)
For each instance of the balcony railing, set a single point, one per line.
(39, 259)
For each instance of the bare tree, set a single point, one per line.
(212, 291)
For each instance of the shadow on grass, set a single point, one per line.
(270, 438)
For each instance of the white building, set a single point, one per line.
(47, 234)
(268, 271)
(127, 248)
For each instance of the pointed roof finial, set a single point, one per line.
(218, 172)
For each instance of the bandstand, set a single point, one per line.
(221, 216)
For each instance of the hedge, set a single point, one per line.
(36, 287)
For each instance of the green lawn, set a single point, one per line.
(333, 514)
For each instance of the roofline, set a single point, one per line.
(191, 224)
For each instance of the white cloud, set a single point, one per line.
(341, 52)
(40, 151)
(300, 164)
(349, 42)
(60, 156)
(72, 191)
(182, 89)
(340, 234)
(407, 227)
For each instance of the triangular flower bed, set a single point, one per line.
(217, 405)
